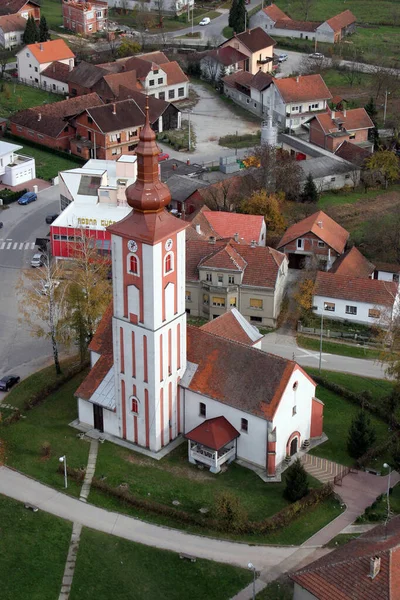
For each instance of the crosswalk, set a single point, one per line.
(10, 244)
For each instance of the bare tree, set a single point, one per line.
(224, 195)
(210, 68)
(305, 6)
(278, 171)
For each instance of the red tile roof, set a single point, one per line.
(344, 573)
(303, 88)
(58, 71)
(217, 375)
(156, 57)
(371, 291)
(343, 19)
(350, 120)
(102, 339)
(227, 55)
(260, 265)
(10, 23)
(213, 433)
(46, 52)
(275, 13)
(231, 327)
(238, 78)
(352, 153)
(353, 264)
(298, 25)
(226, 224)
(254, 39)
(10, 7)
(174, 73)
(325, 228)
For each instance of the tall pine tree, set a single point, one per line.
(241, 18)
(373, 134)
(232, 14)
(296, 482)
(310, 192)
(361, 435)
(31, 33)
(44, 33)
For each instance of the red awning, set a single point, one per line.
(213, 433)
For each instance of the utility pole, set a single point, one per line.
(192, 17)
(320, 343)
(385, 107)
(189, 143)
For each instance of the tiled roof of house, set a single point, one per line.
(344, 19)
(259, 264)
(114, 81)
(218, 376)
(275, 13)
(344, 574)
(58, 71)
(350, 120)
(140, 65)
(238, 78)
(372, 291)
(387, 267)
(156, 57)
(124, 114)
(102, 339)
(353, 264)
(46, 52)
(226, 224)
(261, 81)
(227, 55)
(213, 433)
(233, 326)
(303, 88)
(10, 23)
(321, 225)
(174, 73)
(352, 153)
(11, 7)
(86, 74)
(255, 39)
(310, 26)
(50, 119)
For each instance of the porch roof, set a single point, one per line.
(213, 433)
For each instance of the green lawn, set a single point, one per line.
(34, 548)
(52, 10)
(379, 388)
(341, 539)
(328, 199)
(123, 569)
(378, 510)
(277, 590)
(15, 96)
(337, 348)
(227, 32)
(336, 78)
(48, 164)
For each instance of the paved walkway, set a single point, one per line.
(322, 469)
(90, 469)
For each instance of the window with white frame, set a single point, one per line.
(374, 313)
(218, 301)
(188, 296)
(329, 306)
(351, 310)
(321, 244)
(231, 279)
(206, 299)
(300, 244)
(208, 277)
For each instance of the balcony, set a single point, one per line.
(219, 287)
(264, 61)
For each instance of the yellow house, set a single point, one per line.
(257, 45)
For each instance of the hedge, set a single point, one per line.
(277, 521)
(32, 144)
(8, 196)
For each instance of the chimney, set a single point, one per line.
(253, 244)
(198, 229)
(39, 117)
(344, 112)
(319, 223)
(41, 47)
(212, 239)
(297, 79)
(71, 64)
(332, 114)
(236, 237)
(374, 566)
(114, 108)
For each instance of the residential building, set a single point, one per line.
(15, 168)
(33, 59)
(387, 272)
(12, 29)
(91, 198)
(224, 274)
(343, 297)
(330, 129)
(353, 153)
(55, 77)
(23, 8)
(219, 224)
(257, 46)
(222, 195)
(294, 100)
(154, 379)
(316, 236)
(107, 131)
(353, 264)
(226, 59)
(277, 23)
(249, 91)
(51, 124)
(233, 326)
(84, 17)
(176, 7)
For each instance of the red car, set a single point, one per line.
(163, 156)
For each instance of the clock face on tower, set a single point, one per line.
(168, 245)
(132, 246)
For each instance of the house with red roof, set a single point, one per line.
(257, 46)
(316, 236)
(221, 275)
(233, 326)
(356, 299)
(85, 18)
(22, 8)
(219, 224)
(33, 59)
(331, 128)
(353, 264)
(12, 29)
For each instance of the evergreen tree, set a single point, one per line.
(310, 192)
(241, 17)
(31, 33)
(372, 111)
(222, 73)
(44, 34)
(361, 435)
(296, 482)
(233, 14)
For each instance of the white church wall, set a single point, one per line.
(152, 285)
(285, 421)
(110, 422)
(85, 412)
(251, 446)
(117, 276)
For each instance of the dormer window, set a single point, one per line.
(155, 71)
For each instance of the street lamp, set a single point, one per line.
(189, 141)
(63, 459)
(385, 106)
(252, 568)
(320, 337)
(386, 466)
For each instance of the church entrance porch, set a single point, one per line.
(212, 443)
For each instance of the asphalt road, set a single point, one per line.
(19, 351)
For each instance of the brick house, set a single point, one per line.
(23, 8)
(109, 130)
(33, 59)
(49, 124)
(85, 17)
(317, 235)
(257, 46)
(329, 130)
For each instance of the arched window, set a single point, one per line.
(295, 385)
(133, 264)
(134, 405)
(168, 263)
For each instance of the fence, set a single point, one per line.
(344, 335)
(52, 89)
(345, 471)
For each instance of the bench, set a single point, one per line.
(187, 557)
(31, 507)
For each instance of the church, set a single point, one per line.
(155, 380)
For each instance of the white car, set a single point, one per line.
(205, 21)
(316, 55)
(282, 58)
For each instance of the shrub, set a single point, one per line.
(230, 512)
(361, 435)
(45, 449)
(8, 196)
(296, 482)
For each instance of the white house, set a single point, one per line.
(250, 91)
(15, 168)
(154, 380)
(12, 29)
(356, 299)
(33, 59)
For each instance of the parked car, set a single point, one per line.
(316, 55)
(282, 57)
(27, 198)
(38, 260)
(205, 21)
(50, 218)
(8, 381)
(163, 156)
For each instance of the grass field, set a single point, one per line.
(169, 23)
(52, 10)
(277, 590)
(378, 387)
(34, 547)
(329, 199)
(15, 96)
(336, 348)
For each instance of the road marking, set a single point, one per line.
(27, 246)
(15, 245)
(8, 245)
(32, 245)
(2, 246)
(21, 245)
